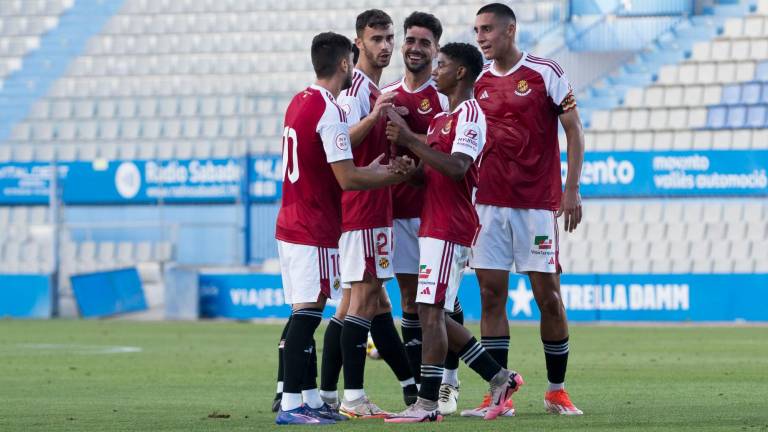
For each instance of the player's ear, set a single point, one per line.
(461, 72)
(359, 43)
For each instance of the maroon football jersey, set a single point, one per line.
(448, 213)
(370, 208)
(315, 135)
(418, 108)
(520, 166)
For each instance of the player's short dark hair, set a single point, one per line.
(373, 18)
(328, 49)
(426, 20)
(498, 9)
(466, 55)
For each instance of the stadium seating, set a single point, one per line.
(202, 77)
(716, 99)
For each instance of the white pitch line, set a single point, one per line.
(83, 349)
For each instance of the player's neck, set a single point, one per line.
(372, 72)
(507, 61)
(414, 80)
(332, 85)
(458, 96)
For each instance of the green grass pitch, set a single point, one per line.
(64, 376)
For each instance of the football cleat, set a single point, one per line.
(362, 408)
(276, 402)
(448, 400)
(300, 416)
(558, 402)
(417, 413)
(481, 409)
(327, 412)
(503, 385)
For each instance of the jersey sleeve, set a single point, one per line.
(351, 107)
(470, 132)
(559, 89)
(334, 133)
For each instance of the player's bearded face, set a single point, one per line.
(419, 49)
(377, 45)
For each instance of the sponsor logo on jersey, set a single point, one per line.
(522, 88)
(425, 291)
(383, 262)
(342, 142)
(543, 242)
(551, 260)
(447, 128)
(484, 95)
(471, 134)
(424, 107)
(346, 109)
(424, 272)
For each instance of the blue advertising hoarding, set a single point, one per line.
(604, 175)
(615, 297)
(673, 174)
(26, 296)
(108, 293)
(144, 181)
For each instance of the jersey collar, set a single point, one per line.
(517, 65)
(365, 77)
(421, 88)
(322, 90)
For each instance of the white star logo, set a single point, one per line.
(521, 299)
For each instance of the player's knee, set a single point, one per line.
(431, 316)
(409, 305)
(552, 307)
(493, 299)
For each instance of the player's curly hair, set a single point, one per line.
(426, 20)
(466, 55)
(328, 49)
(373, 18)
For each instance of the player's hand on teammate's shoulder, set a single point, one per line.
(570, 207)
(383, 104)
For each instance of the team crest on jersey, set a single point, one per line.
(522, 88)
(425, 107)
(447, 128)
(383, 262)
(336, 284)
(342, 142)
(346, 109)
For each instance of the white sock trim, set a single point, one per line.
(554, 387)
(353, 394)
(451, 376)
(407, 382)
(290, 401)
(312, 398)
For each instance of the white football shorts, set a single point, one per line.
(368, 250)
(405, 258)
(527, 238)
(441, 266)
(309, 271)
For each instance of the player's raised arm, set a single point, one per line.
(574, 135)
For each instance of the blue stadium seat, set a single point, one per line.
(737, 116)
(731, 94)
(761, 74)
(750, 93)
(764, 98)
(756, 116)
(716, 117)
